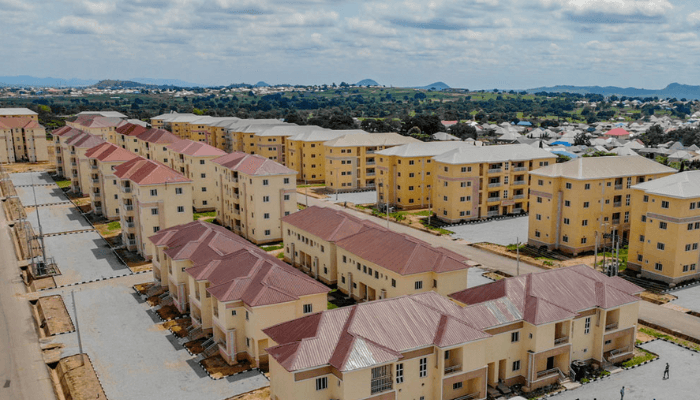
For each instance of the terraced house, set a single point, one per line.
(153, 197)
(104, 190)
(522, 330)
(575, 203)
(479, 182)
(252, 194)
(665, 228)
(22, 139)
(232, 289)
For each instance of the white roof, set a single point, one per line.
(510, 152)
(371, 139)
(108, 114)
(324, 135)
(444, 136)
(16, 111)
(682, 185)
(173, 115)
(603, 167)
(429, 149)
(288, 130)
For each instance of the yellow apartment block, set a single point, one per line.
(18, 113)
(310, 237)
(240, 136)
(480, 182)
(61, 153)
(22, 139)
(408, 171)
(192, 159)
(202, 264)
(665, 230)
(97, 125)
(573, 204)
(153, 145)
(351, 160)
(253, 193)
(272, 140)
(305, 153)
(125, 136)
(103, 159)
(523, 330)
(79, 167)
(153, 197)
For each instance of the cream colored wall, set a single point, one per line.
(271, 147)
(109, 189)
(292, 157)
(395, 174)
(253, 209)
(307, 159)
(324, 250)
(359, 163)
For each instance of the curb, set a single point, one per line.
(93, 280)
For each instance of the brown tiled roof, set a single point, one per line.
(252, 164)
(148, 172)
(196, 149)
(159, 136)
(60, 131)
(199, 242)
(129, 129)
(84, 140)
(15, 123)
(67, 132)
(109, 152)
(401, 253)
(327, 223)
(96, 121)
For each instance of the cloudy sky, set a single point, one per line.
(476, 44)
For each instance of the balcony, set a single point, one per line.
(620, 354)
(493, 185)
(517, 183)
(492, 214)
(73, 152)
(370, 163)
(520, 169)
(98, 210)
(126, 189)
(371, 174)
(517, 210)
(381, 384)
(236, 211)
(96, 195)
(518, 196)
(95, 180)
(130, 224)
(493, 199)
(610, 327)
(548, 373)
(237, 228)
(452, 368)
(93, 166)
(618, 187)
(132, 242)
(617, 204)
(561, 340)
(74, 164)
(129, 207)
(495, 170)
(616, 221)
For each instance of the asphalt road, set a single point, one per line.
(23, 374)
(672, 319)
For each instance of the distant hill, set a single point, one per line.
(26, 80)
(167, 82)
(367, 82)
(262, 84)
(110, 83)
(676, 90)
(435, 86)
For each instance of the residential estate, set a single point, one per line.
(22, 139)
(105, 188)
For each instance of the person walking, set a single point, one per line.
(666, 373)
(622, 393)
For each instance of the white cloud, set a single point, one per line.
(694, 18)
(15, 5)
(78, 25)
(98, 8)
(648, 8)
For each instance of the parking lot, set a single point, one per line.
(688, 298)
(44, 195)
(502, 231)
(646, 382)
(58, 218)
(133, 356)
(31, 178)
(354, 197)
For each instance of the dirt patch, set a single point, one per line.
(315, 192)
(195, 346)
(77, 379)
(132, 259)
(143, 288)
(656, 298)
(643, 337)
(14, 210)
(169, 312)
(259, 394)
(22, 232)
(178, 326)
(53, 316)
(219, 368)
(42, 283)
(494, 276)
(27, 167)
(140, 267)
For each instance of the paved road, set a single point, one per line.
(671, 319)
(486, 259)
(23, 374)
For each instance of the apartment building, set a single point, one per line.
(253, 193)
(232, 288)
(575, 203)
(665, 228)
(105, 189)
(61, 157)
(310, 237)
(351, 160)
(74, 150)
(241, 136)
(18, 113)
(125, 136)
(521, 330)
(408, 171)
(95, 124)
(153, 145)
(192, 159)
(218, 131)
(305, 153)
(272, 140)
(22, 139)
(153, 197)
(479, 182)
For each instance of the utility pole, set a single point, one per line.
(595, 252)
(41, 270)
(617, 257)
(77, 327)
(430, 203)
(517, 251)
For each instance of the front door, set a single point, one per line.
(550, 363)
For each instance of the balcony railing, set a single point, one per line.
(521, 182)
(237, 227)
(517, 210)
(95, 180)
(381, 384)
(492, 213)
(98, 210)
(618, 187)
(371, 174)
(561, 340)
(548, 373)
(130, 225)
(126, 189)
(519, 169)
(612, 326)
(616, 221)
(129, 207)
(93, 166)
(370, 163)
(74, 164)
(619, 352)
(617, 204)
(495, 170)
(132, 242)
(493, 185)
(493, 199)
(96, 195)
(453, 368)
(519, 196)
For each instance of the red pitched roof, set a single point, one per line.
(148, 172)
(158, 136)
(401, 253)
(617, 132)
(97, 121)
(130, 129)
(67, 132)
(252, 164)
(327, 223)
(15, 123)
(84, 140)
(109, 152)
(196, 149)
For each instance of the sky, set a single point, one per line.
(475, 44)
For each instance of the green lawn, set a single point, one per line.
(273, 247)
(113, 226)
(423, 213)
(197, 216)
(63, 184)
(645, 356)
(312, 185)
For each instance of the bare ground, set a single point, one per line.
(218, 367)
(54, 318)
(260, 394)
(78, 379)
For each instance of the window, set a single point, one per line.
(584, 222)
(154, 211)
(641, 238)
(658, 267)
(646, 199)
(202, 176)
(538, 217)
(565, 239)
(308, 308)
(627, 200)
(266, 199)
(537, 234)
(540, 182)
(322, 383)
(268, 232)
(587, 326)
(393, 283)
(516, 365)
(418, 285)
(456, 385)
(586, 204)
(587, 186)
(180, 209)
(567, 203)
(568, 185)
(178, 190)
(660, 246)
(566, 221)
(156, 229)
(663, 225)
(539, 199)
(515, 336)
(266, 182)
(423, 367)
(399, 373)
(664, 204)
(154, 192)
(286, 181)
(640, 257)
(345, 259)
(246, 315)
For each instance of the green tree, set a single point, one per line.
(581, 139)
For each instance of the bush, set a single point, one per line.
(584, 380)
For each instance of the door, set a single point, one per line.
(550, 363)
(502, 371)
(492, 374)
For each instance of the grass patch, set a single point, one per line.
(423, 213)
(199, 215)
(301, 206)
(63, 183)
(113, 226)
(273, 247)
(280, 256)
(660, 335)
(513, 247)
(312, 185)
(331, 306)
(624, 252)
(441, 231)
(638, 359)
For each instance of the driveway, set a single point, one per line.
(646, 382)
(688, 298)
(133, 358)
(502, 231)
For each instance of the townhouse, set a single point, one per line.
(253, 193)
(478, 182)
(351, 162)
(153, 197)
(573, 204)
(408, 172)
(192, 159)
(22, 139)
(18, 113)
(105, 189)
(305, 153)
(231, 288)
(310, 237)
(665, 228)
(75, 150)
(521, 330)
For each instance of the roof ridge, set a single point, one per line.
(410, 258)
